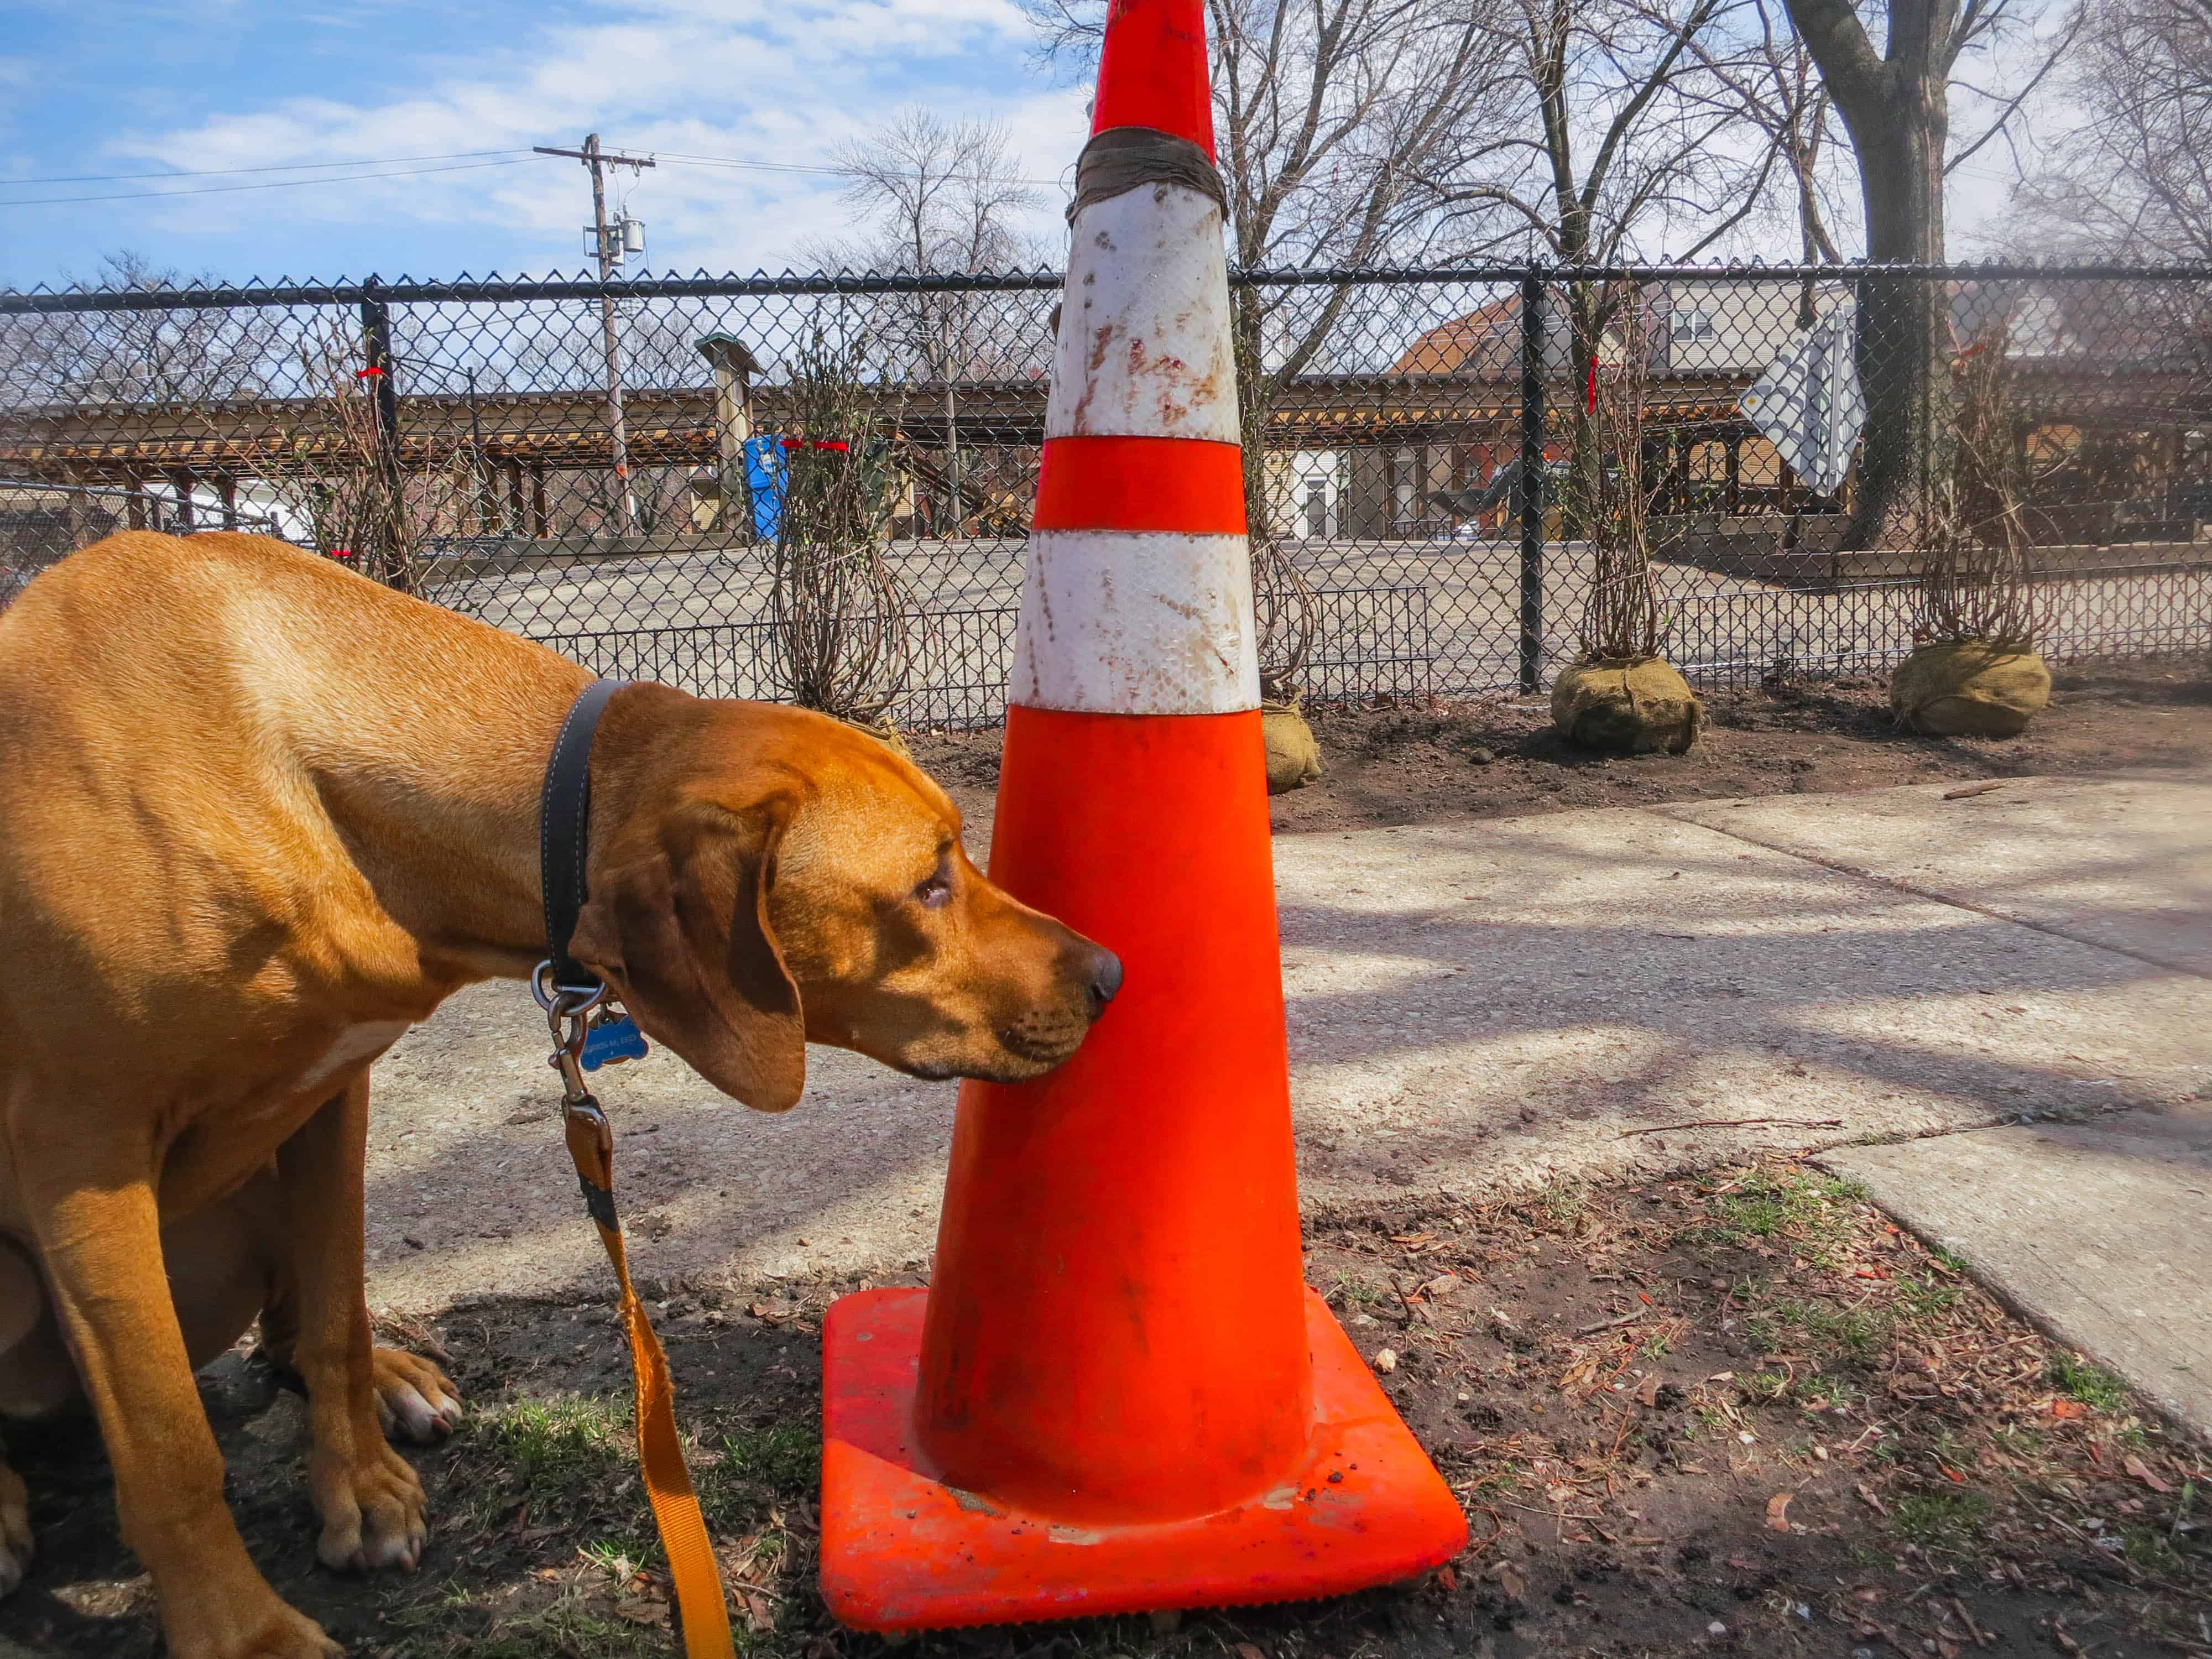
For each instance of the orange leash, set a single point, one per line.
(691, 1566)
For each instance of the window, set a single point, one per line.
(1694, 327)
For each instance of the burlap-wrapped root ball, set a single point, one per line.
(1293, 754)
(1627, 706)
(1970, 689)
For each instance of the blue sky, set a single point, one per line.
(121, 87)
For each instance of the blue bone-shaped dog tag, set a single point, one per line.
(611, 1043)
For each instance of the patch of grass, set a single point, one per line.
(549, 1439)
(1360, 1293)
(2092, 1385)
(1563, 1202)
(1856, 1333)
(2150, 1550)
(1949, 1521)
(564, 1460)
(1823, 1390)
(1806, 1209)
(784, 1456)
(1926, 1299)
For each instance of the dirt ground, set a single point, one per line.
(1417, 764)
(1738, 1412)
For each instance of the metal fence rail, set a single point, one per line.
(1395, 410)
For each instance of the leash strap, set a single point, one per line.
(568, 990)
(564, 820)
(691, 1566)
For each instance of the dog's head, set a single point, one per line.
(763, 877)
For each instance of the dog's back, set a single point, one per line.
(186, 723)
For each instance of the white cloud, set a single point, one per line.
(734, 78)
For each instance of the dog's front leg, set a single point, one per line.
(92, 1207)
(367, 1496)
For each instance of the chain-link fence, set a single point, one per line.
(610, 468)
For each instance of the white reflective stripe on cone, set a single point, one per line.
(1119, 621)
(1144, 329)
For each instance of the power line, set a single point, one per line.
(833, 172)
(273, 184)
(510, 156)
(274, 166)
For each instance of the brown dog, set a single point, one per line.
(258, 816)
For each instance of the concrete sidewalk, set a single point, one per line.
(2096, 1231)
(1471, 1007)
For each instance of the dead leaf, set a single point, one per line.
(758, 1614)
(643, 1610)
(1867, 1497)
(1970, 790)
(1386, 1359)
(2065, 1408)
(1777, 1511)
(1508, 1579)
(1250, 1650)
(1722, 1377)
(1442, 1285)
(1447, 1578)
(2135, 1466)
(1647, 1392)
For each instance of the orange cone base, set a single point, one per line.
(903, 1551)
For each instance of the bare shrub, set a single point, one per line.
(1620, 614)
(325, 459)
(1976, 583)
(838, 611)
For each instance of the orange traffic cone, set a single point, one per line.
(1118, 1394)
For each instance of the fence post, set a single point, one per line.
(1532, 481)
(376, 335)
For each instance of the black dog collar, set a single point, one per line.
(564, 834)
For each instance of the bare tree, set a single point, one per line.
(1617, 144)
(938, 198)
(152, 354)
(1774, 85)
(1330, 116)
(2132, 178)
(1620, 144)
(1896, 105)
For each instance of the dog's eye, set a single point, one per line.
(932, 893)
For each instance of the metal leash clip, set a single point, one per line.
(567, 1008)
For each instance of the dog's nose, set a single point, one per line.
(1105, 980)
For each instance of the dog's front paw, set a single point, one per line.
(255, 1626)
(371, 1508)
(15, 1548)
(415, 1400)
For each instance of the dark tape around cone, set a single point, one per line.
(1123, 159)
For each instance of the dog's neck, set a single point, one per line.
(449, 841)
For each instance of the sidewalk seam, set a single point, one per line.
(1895, 886)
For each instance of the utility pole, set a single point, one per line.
(610, 255)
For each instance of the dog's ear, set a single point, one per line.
(677, 924)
